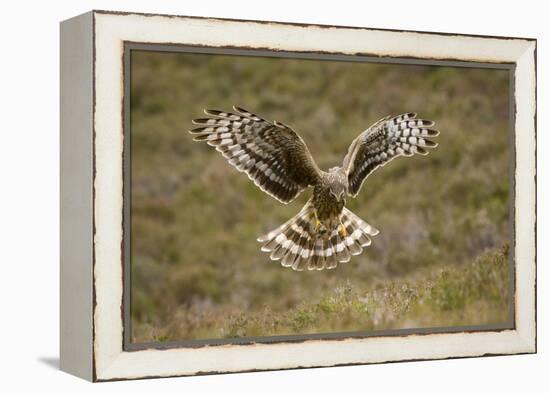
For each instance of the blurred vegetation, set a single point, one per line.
(468, 294)
(197, 271)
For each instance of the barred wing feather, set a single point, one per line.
(273, 155)
(390, 137)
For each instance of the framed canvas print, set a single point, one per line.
(246, 195)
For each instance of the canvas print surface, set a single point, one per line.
(315, 196)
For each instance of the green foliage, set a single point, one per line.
(197, 271)
(464, 295)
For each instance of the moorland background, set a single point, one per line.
(441, 258)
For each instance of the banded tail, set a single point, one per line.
(298, 244)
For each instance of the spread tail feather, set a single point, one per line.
(300, 245)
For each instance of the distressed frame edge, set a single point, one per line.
(76, 196)
(304, 24)
(526, 221)
(525, 337)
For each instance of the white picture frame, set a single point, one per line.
(92, 194)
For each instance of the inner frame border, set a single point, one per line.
(129, 46)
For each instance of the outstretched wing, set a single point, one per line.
(273, 156)
(390, 137)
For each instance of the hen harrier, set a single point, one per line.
(324, 233)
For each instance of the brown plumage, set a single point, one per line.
(324, 233)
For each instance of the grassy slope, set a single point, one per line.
(196, 268)
(471, 294)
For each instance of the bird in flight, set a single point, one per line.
(324, 233)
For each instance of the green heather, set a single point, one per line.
(441, 258)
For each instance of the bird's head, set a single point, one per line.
(337, 189)
(337, 182)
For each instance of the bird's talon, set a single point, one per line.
(343, 230)
(317, 222)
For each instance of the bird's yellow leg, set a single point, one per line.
(343, 230)
(317, 222)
